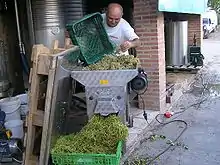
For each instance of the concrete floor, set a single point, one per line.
(201, 102)
(181, 82)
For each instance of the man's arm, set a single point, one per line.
(130, 44)
(135, 43)
(132, 38)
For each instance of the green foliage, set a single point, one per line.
(100, 135)
(215, 4)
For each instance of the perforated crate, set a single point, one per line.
(90, 35)
(88, 159)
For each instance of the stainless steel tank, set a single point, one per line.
(176, 42)
(74, 10)
(48, 21)
(51, 16)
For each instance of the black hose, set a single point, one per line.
(25, 65)
(144, 114)
(166, 123)
(172, 121)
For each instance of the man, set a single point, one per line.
(119, 30)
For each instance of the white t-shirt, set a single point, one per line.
(120, 33)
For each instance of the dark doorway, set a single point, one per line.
(8, 34)
(127, 5)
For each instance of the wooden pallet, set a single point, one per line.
(41, 100)
(183, 68)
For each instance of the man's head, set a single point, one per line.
(114, 14)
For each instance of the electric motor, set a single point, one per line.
(140, 81)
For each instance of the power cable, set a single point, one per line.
(144, 113)
(166, 123)
(17, 161)
(172, 121)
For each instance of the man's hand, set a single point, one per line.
(125, 46)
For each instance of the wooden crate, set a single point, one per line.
(41, 95)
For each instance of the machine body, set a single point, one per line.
(106, 91)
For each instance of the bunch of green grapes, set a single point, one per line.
(113, 62)
(100, 135)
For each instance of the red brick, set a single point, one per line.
(150, 28)
(194, 26)
(152, 61)
(155, 47)
(148, 34)
(137, 18)
(146, 65)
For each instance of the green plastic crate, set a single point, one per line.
(88, 159)
(90, 35)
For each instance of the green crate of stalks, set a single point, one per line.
(99, 142)
(88, 159)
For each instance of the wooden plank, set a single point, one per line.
(53, 106)
(25, 144)
(40, 50)
(55, 44)
(33, 160)
(45, 131)
(49, 96)
(58, 50)
(30, 76)
(51, 119)
(55, 49)
(35, 81)
(38, 118)
(44, 64)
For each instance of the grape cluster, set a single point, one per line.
(100, 135)
(113, 62)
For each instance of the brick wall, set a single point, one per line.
(149, 25)
(194, 26)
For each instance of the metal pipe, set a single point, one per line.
(21, 45)
(17, 21)
(30, 22)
